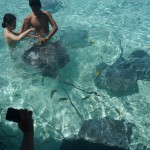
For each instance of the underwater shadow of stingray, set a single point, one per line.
(121, 77)
(48, 58)
(81, 144)
(52, 5)
(75, 37)
(103, 133)
(107, 131)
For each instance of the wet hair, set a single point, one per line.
(8, 19)
(35, 3)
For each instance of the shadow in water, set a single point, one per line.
(74, 37)
(82, 144)
(121, 78)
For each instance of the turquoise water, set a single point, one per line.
(91, 32)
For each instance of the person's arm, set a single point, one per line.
(20, 36)
(54, 27)
(26, 24)
(26, 126)
(16, 33)
(53, 24)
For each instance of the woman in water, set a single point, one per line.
(9, 23)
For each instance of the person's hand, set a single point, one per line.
(26, 121)
(43, 40)
(32, 29)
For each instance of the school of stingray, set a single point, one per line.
(117, 78)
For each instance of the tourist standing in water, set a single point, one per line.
(40, 20)
(9, 23)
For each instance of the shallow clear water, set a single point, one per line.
(91, 31)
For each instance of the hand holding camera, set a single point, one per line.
(26, 121)
(23, 117)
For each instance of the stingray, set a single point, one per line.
(47, 58)
(123, 75)
(107, 131)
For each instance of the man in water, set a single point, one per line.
(51, 56)
(40, 20)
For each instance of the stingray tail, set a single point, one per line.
(122, 50)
